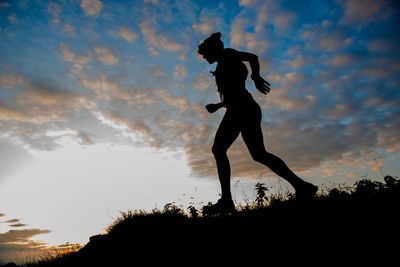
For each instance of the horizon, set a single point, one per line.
(102, 105)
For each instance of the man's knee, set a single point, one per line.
(259, 156)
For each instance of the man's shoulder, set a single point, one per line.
(230, 51)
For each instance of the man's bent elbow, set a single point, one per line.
(253, 58)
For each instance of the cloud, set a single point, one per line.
(158, 41)
(69, 28)
(334, 41)
(240, 37)
(379, 69)
(85, 137)
(209, 22)
(35, 101)
(22, 236)
(92, 7)
(247, 2)
(12, 221)
(11, 80)
(271, 19)
(198, 151)
(39, 101)
(4, 4)
(138, 127)
(158, 72)
(35, 106)
(360, 12)
(147, 115)
(383, 45)
(78, 62)
(326, 23)
(42, 93)
(340, 60)
(203, 82)
(205, 27)
(18, 225)
(318, 38)
(104, 88)
(254, 34)
(106, 56)
(9, 114)
(154, 2)
(181, 103)
(388, 137)
(13, 19)
(19, 242)
(55, 11)
(126, 34)
(180, 71)
(282, 101)
(284, 20)
(298, 62)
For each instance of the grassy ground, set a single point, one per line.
(360, 222)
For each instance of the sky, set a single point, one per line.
(102, 105)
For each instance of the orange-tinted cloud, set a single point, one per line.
(365, 11)
(157, 41)
(127, 34)
(91, 7)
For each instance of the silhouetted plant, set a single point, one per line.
(193, 212)
(280, 198)
(209, 203)
(365, 186)
(56, 256)
(391, 181)
(172, 209)
(126, 217)
(339, 192)
(261, 197)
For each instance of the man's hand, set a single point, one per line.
(262, 85)
(213, 107)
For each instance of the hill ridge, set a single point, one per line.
(364, 217)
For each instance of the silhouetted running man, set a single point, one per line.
(242, 116)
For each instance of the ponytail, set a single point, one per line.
(213, 42)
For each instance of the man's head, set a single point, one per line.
(211, 47)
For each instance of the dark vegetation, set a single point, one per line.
(360, 222)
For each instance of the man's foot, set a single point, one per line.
(222, 207)
(306, 191)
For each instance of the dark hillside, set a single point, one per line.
(360, 222)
